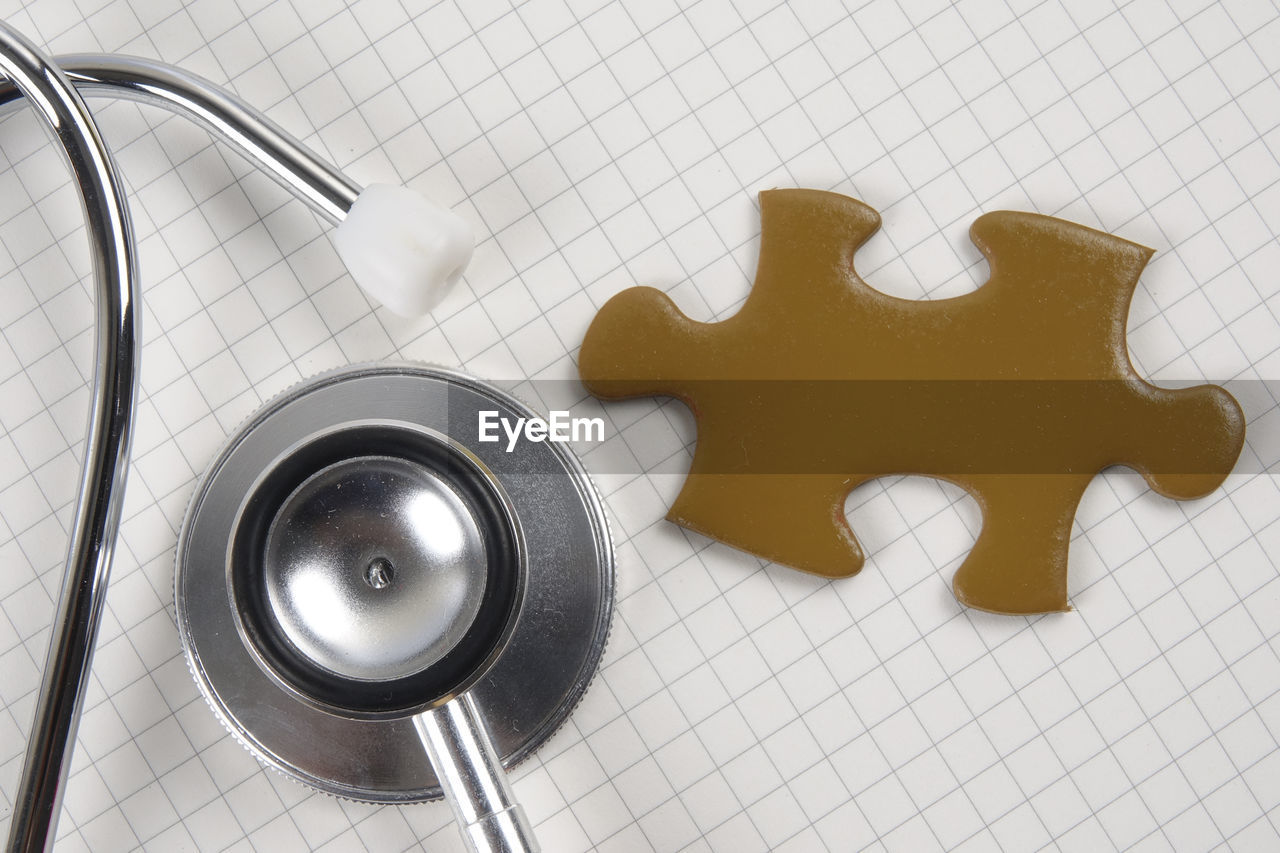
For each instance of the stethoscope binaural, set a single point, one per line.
(303, 636)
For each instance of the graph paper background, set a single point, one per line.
(596, 145)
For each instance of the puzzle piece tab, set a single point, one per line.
(1020, 393)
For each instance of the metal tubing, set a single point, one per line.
(458, 744)
(106, 447)
(53, 92)
(277, 152)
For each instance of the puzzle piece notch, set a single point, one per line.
(793, 410)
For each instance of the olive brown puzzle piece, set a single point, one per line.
(1020, 393)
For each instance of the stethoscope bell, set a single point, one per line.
(358, 581)
(374, 570)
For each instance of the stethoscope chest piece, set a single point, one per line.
(356, 556)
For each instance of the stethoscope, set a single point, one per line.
(328, 650)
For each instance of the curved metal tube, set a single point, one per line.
(52, 90)
(106, 458)
(277, 152)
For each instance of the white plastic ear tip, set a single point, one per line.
(405, 251)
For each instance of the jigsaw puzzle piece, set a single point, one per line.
(794, 519)
(817, 233)
(1057, 298)
(1020, 392)
(1019, 563)
(641, 344)
(1182, 441)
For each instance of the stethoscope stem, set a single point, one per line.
(460, 748)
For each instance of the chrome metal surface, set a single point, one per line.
(273, 149)
(101, 490)
(457, 741)
(374, 568)
(548, 659)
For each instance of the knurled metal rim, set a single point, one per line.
(553, 650)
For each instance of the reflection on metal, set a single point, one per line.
(106, 459)
(333, 471)
(332, 550)
(271, 148)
